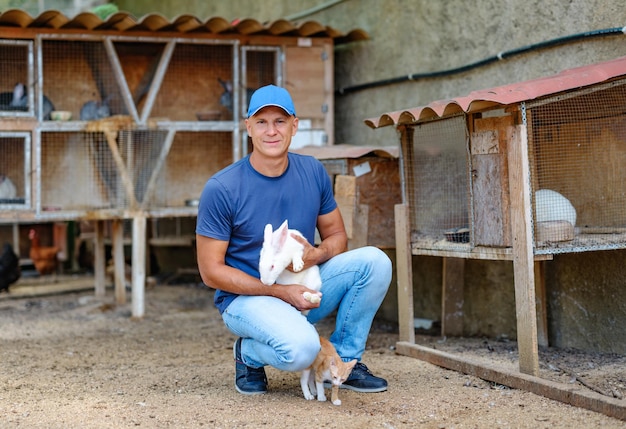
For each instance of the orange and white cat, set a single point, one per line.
(327, 366)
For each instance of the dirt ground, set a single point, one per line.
(70, 360)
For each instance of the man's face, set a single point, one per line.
(271, 130)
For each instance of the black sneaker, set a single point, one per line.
(362, 380)
(249, 381)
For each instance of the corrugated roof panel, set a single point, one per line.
(119, 21)
(47, 19)
(217, 25)
(506, 94)
(125, 22)
(83, 21)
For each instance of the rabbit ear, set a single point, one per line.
(280, 235)
(267, 233)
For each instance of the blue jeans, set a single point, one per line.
(274, 333)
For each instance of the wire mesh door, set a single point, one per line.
(16, 78)
(436, 169)
(14, 167)
(99, 169)
(578, 169)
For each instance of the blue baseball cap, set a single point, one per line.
(271, 95)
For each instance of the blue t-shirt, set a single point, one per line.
(237, 202)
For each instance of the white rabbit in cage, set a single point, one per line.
(7, 188)
(552, 206)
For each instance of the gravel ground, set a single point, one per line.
(73, 361)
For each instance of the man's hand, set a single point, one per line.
(294, 295)
(311, 254)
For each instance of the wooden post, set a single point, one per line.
(99, 263)
(139, 265)
(452, 297)
(523, 258)
(118, 261)
(404, 273)
(542, 304)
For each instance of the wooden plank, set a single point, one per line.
(345, 194)
(119, 162)
(17, 124)
(523, 269)
(359, 227)
(542, 304)
(117, 233)
(139, 266)
(165, 150)
(566, 393)
(490, 184)
(131, 107)
(485, 253)
(404, 275)
(488, 210)
(157, 80)
(380, 189)
(99, 263)
(452, 296)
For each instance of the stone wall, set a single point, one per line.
(587, 292)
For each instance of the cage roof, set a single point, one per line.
(505, 95)
(156, 23)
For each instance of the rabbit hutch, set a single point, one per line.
(367, 187)
(124, 120)
(515, 173)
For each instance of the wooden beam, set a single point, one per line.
(99, 262)
(131, 107)
(157, 80)
(542, 304)
(404, 273)
(165, 150)
(121, 168)
(452, 297)
(566, 393)
(139, 266)
(523, 260)
(117, 233)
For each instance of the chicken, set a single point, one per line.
(7, 188)
(45, 259)
(10, 270)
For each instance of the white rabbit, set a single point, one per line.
(7, 188)
(552, 206)
(279, 250)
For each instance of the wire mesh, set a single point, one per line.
(12, 169)
(94, 95)
(259, 69)
(578, 175)
(198, 81)
(437, 184)
(14, 71)
(193, 158)
(77, 172)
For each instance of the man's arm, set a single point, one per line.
(216, 274)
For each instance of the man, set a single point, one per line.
(269, 186)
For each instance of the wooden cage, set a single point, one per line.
(366, 180)
(520, 173)
(125, 119)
